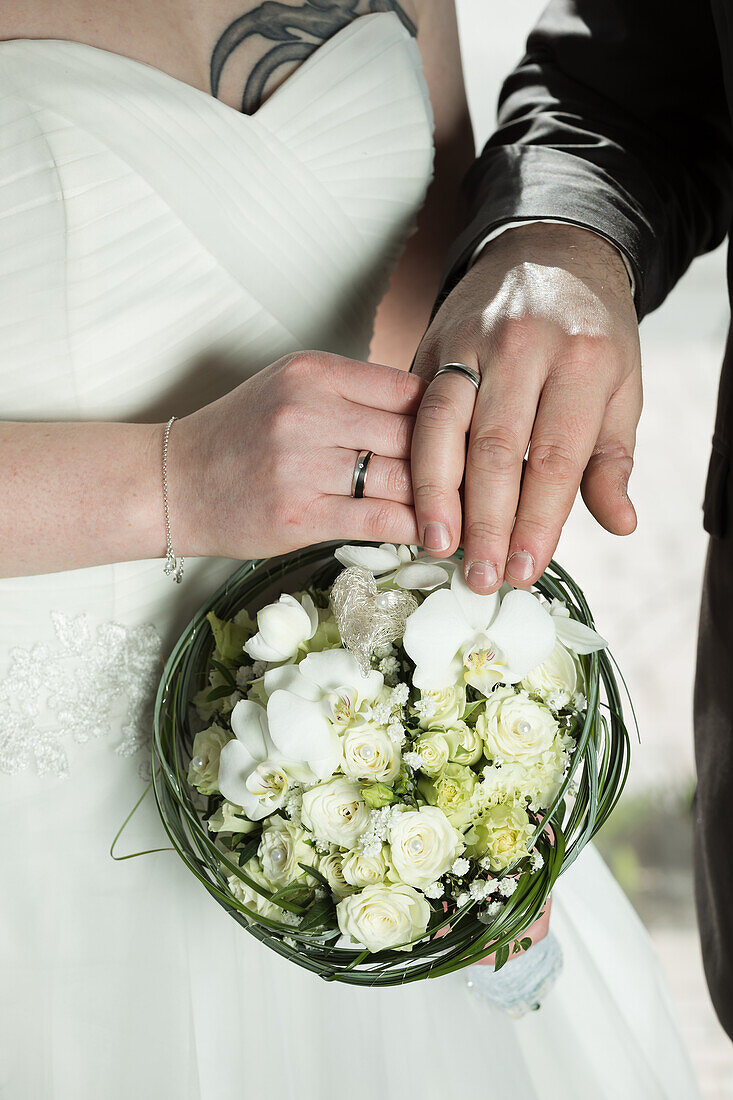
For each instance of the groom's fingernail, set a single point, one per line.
(436, 536)
(520, 566)
(482, 574)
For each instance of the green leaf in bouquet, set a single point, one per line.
(377, 795)
(230, 637)
(471, 708)
(316, 875)
(502, 957)
(322, 914)
(295, 893)
(218, 693)
(225, 672)
(249, 850)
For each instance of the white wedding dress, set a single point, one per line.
(156, 248)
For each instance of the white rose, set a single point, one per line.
(383, 916)
(335, 811)
(458, 744)
(442, 708)
(283, 847)
(361, 870)
(423, 845)
(203, 771)
(515, 728)
(500, 836)
(331, 867)
(282, 628)
(560, 673)
(369, 753)
(249, 897)
(434, 751)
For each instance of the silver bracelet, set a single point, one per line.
(173, 565)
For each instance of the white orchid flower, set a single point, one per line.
(458, 635)
(400, 565)
(253, 774)
(310, 703)
(283, 627)
(574, 635)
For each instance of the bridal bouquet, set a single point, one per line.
(382, 774)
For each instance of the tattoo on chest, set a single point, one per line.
(295, 33)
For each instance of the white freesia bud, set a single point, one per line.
(228, 819)
(423, 845)
(515, 728)
(382, 916)
(335, 812)
(369, 753)
(282, 628)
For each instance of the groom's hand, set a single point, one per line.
(547, 317)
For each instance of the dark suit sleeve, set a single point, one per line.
(616, 119)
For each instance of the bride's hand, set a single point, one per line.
(268, 467)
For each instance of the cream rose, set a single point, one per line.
(434, 751)
(515, 728)
(283, 847)
(451, 792)
(361, 870)
(203, 771)
(560, 675)
(423, 845)
(369, 753)
(501, 834)
(442, 708)
(383, 916)
(249, 897)
(331, 867)
(335, 812)
(464, 743)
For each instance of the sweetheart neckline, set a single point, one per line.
(330, 46)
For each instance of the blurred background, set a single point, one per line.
(645, 589)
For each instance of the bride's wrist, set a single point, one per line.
(186, 490)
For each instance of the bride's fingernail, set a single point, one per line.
(436, 536)
(520, 566)
(482, 574)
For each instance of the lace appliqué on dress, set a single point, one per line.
(94, 679)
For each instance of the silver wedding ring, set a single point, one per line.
(358, 480)
(460, 368)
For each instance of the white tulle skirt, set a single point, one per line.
(126, 980)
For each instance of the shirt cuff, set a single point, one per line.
(550, 221)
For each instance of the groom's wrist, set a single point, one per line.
(498, 231)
